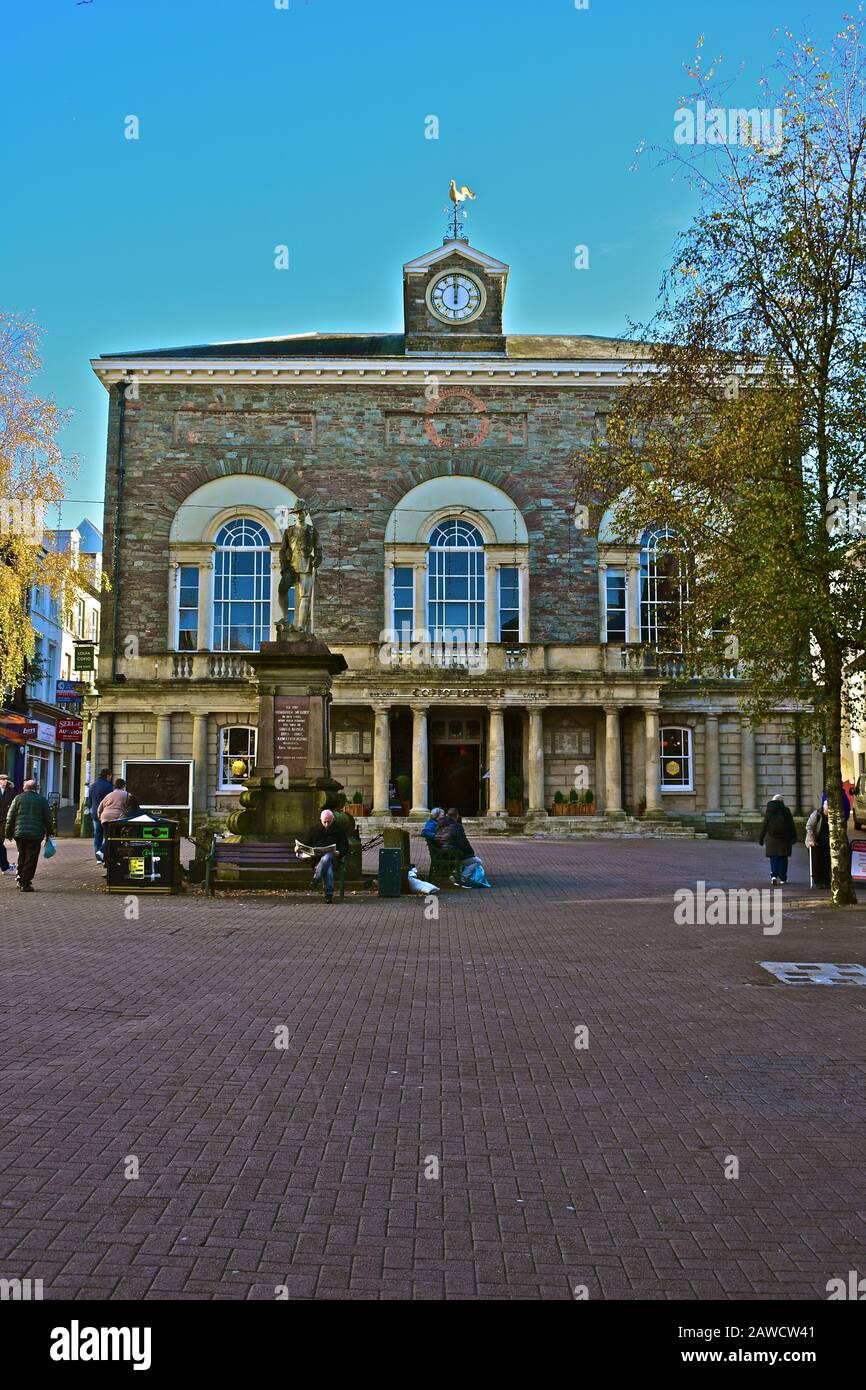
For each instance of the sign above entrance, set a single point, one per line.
(449, 692)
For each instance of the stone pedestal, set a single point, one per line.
(291, 783)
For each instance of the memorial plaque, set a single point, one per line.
(292, 733)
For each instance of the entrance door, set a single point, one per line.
(454, 775)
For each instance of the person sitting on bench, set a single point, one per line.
(328, 832)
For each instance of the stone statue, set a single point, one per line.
(300, 557)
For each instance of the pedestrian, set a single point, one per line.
(328, 832)
(28, 823)
(115, 804)
(450, 835)
(7, 796)
(97, 793)
(430, 827)
(778, 836)
(818, 840)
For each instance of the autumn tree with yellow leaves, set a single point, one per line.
(33, 472)
(742, 426)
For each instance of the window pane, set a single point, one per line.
(509, 603)
(616, 606)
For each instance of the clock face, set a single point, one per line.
(456, 297)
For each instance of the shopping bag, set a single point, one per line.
(50, 848)
(475, 877)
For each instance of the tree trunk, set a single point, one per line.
(841, 884)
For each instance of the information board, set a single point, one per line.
(292, 733)
(858, 859)
(161, 783)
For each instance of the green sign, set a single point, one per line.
(84, 655)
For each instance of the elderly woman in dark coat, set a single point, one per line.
(778, 836)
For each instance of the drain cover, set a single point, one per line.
(806, 973)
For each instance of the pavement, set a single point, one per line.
(261, 1096)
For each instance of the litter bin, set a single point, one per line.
(389, 873)
(142, 855)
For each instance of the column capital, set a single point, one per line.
(495, 709)
(536, 709)
(420, 706)
(380, 707)
(612, 709)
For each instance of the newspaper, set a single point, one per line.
(312, 851)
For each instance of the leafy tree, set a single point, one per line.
(32, 478)
(741, 426)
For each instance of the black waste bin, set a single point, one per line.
(389, 873)
(142, 855)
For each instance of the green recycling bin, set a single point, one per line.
(142, 855)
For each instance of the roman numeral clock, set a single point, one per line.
(453, 298)
(456, 297)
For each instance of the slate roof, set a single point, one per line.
(353, 345)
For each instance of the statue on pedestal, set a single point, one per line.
(300, 557)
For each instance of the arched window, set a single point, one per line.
(455, 583)
(242, 587)
(663, 591)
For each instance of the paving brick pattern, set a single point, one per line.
(415, 1041)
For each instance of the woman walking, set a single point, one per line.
(818, 840)
(778, 836)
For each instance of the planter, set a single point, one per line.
(514, 808)
(584, 810)
(559, 808)
(355, 808)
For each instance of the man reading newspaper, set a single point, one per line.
(333, 843)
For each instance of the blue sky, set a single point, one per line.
(306, 127)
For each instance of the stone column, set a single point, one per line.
(747, 768)
(817, 768)
(200, 760)
(602, 601)
(536, 806)
(633, 630)
(638, 762)
(654, 804)
(419, 762)
(712, 765)
(381, 760)
(496, 762)
(612, 763)
(163, 735)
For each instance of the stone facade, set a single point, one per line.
(384, 437)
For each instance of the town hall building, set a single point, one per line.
(506, 651)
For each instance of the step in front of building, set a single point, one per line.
(552, 827)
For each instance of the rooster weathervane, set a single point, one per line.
(456, 213)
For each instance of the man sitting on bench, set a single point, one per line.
(328, 832)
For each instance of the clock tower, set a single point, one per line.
(452, 302)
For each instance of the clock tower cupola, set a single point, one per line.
(452, 301)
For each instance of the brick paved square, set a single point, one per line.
(431, 1130)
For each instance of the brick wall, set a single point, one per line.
(351, 480)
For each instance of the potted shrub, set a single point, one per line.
(586, 807)
(574, 801)
(403, 783)
(560, 805)
(355, 807)
(514, 795)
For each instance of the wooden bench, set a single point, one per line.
(443, 862)
(248, 863)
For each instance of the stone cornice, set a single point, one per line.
(394, 371)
